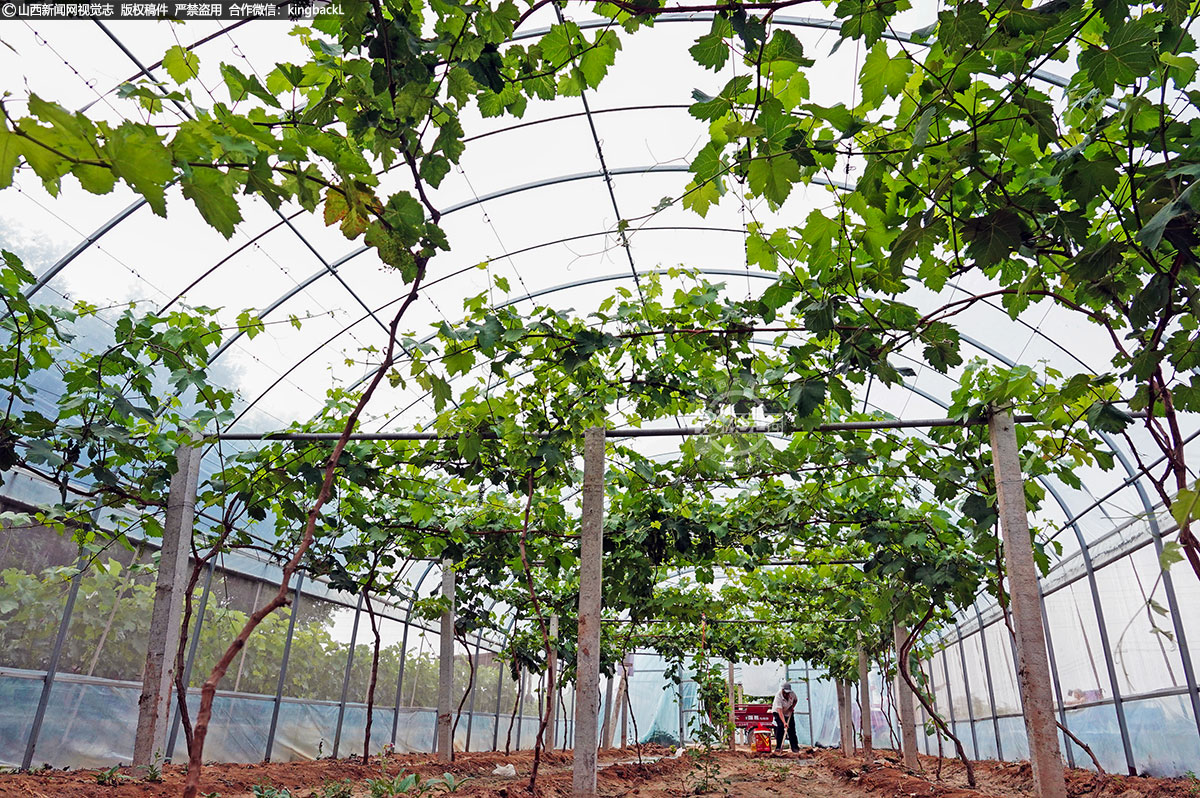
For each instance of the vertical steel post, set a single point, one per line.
(1105, 648)
(404, 651)
(949, 695)
(471, 704)
(445, 732)
(812, 737)
(400, 676)
(64, 623)
(1181, 642)
(337, 735)
(864, 701)
(191, 657)
(987, 672)
(591, 559)
(962, 661)
(1033, 667)
(1062, 711)
(158, 676)
(283, 666)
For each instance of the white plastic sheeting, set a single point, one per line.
(91, 723)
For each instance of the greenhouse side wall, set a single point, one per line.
(1122, 654)
(1123, 637)
(297, 711)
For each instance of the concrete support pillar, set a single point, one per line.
(845, 721)
(591, 559)
(904, 703)
(1033, 667)
(158, 677)
(732, 730)
(682, 722)
(623, 700)
(606, 729)
(864, 701)
(445, 730)
(551, 689)
(520, 704)
(499, 698)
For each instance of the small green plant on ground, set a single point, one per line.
(385, 787)
(706, 770)
(776, 772)
(154, 770)
(270, 791)
(110, 777)
(451, 783)
(338, 789)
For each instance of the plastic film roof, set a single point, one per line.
(536, 200)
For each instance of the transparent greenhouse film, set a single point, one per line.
(843, 302)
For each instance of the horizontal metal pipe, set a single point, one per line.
(775, 621)
(665, 432)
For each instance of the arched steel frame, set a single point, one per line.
(1134, 479)
(785, 21)
(330, 269)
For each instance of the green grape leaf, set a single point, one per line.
(711, 50)
(1129, 55)
(773, 177)
(182, 65)
(212, 192)
(882, 76)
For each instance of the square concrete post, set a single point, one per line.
(733, 729)
(551, 685)
(864, 700)
(158, 677)
(904, 700)
(1033, 666)
(591, 559)
(623, 700)
(845, 722)
(445, 741)
(606, 728)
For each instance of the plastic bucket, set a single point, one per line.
(762, 741)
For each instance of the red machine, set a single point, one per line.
(747, 716)
(756, 720)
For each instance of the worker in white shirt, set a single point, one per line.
(783, 713)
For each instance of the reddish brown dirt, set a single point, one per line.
(808, 774)
(888, 778)
(1015, 778)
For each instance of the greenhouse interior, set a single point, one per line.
(544, 397)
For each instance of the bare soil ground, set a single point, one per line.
(811, 773)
